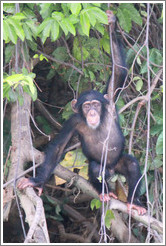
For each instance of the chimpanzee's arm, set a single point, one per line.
(119, 64)
(53, 155)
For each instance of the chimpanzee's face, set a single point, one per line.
(92, 113)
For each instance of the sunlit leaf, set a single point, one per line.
(75, 8)
(95, 203)
(108, 218)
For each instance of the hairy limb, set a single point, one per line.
(53, 156)
(129, 167)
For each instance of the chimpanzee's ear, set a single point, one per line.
(106, 97)
(73, 105)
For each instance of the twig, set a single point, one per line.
(131, 46)
(139, 106)
(60, 62)
(47, 114)
(142, 98)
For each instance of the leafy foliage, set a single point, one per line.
(11, 87)
(109, 216)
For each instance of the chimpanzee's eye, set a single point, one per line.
(96, 104)
(86, 106)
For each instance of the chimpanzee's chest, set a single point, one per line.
(96, 142)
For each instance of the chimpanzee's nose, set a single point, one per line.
(92, 112)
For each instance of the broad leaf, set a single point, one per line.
(100, 15)
(12, 34)
(108, 218)
(124, 19)
(69, 26)
(5, 30)
(58, 16)
(95, 203)
(159, 144)
(75, 8)
(85, 23)
(18, 28)
(54, 30)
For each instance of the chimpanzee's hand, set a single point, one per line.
(107, 197)
(140, 210)
(24, 183)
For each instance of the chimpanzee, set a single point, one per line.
(92, 121)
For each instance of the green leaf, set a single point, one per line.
(109, 216)
(32, 45)
(42, 57)
(159, 144)
(105, 43)
(64, 26)
(19, 16)
(77, 51)
(95, 203)
(18, 28)
(85, 23)
(32, 27)
(75, 8)
(124, 19)
(69, 26)
(54, 31)
(96, 4)
(46, 31)
(157, 162)
(92, 76)
(28, 32)
(99, 179)
(15, 78)
(12, 34)
(65, 8)
(127, 13)
(61, 53)
(5, 30)
(58, 16)
(123, 179)
(26, 88)
(139, 85)
(13, 95)
(73, 19)
(156, 129)
(100, 28)
(90, 15)
(132, 12)
(9, 8)
(114, 178)
(36, 56)
(6, 89)
(42, 25)
(100, 15)
(45, 9)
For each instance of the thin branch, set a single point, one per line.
(131, 46)
(142, 98)
(60, 62)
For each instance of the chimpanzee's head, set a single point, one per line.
(91, 105)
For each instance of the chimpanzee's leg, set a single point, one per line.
(94, 169)
(129, 167)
